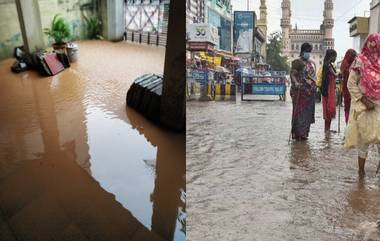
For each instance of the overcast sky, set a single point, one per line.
(308, 14)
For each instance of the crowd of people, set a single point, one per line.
(360, 74)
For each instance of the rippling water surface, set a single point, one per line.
(78, 118)
(245, 182)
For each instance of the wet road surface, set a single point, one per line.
(76, 164)
(244, 182)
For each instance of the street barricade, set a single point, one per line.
(272, 83)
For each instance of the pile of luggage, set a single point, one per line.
(47, 63)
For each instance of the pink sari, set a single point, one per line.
(367, 64)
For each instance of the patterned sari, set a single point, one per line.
(303, 92)
(349, 57)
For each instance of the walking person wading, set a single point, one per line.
(328, 88)
(302, 91)
(349, 57)
(363, 127)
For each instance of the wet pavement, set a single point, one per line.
(245, 182)
(76, 164)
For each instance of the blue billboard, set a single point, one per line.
(244, 25)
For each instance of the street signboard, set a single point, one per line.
(268, 89)
(200, 76)
(244, 25)
(202, 32)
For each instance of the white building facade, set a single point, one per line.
(321, 39)
(262, 25)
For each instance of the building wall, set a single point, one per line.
(321, 39)
(70, 9)
(374, 20)
(195, 11)
(10, 33)
(224, 10)
(358, 42)
(220, 16)
(140, 28)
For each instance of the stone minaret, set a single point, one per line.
(328, 25)
(262, 24)
(285, 26)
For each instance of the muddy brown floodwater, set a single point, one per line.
(244, 182)
(76, 164)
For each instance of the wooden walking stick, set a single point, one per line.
(340, 103)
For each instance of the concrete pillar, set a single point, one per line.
(30, 24)
(113, 19)
(173, 92)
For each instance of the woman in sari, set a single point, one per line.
(349, 57)
(363, 127)
(328, 88)
(302, 91)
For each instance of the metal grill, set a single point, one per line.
(147, 21)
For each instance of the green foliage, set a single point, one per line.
(94, 27)
(274, 53)
(60, 30)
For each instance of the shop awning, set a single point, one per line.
(216, 60)
(224, 54)
(222, 69)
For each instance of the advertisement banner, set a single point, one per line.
(216, 60)
(244, 24)
(200, 76)
(202, 32)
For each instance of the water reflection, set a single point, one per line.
(363, 209)
(300, 155)
(170, 178)
(51, 197)
(68, 151)
(73, 135)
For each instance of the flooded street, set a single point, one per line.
(244, 182)
(76, 164)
